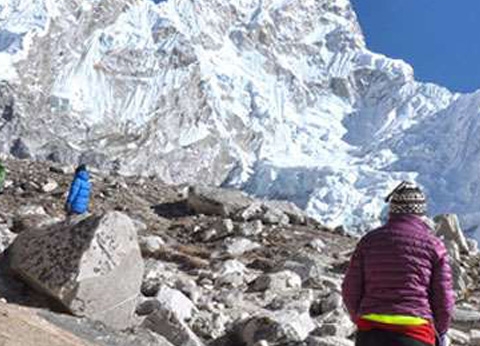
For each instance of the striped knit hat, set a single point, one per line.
(407, 198)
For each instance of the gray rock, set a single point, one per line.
(188, 287)
(277, 282)
(295, 215)
(210, 234)
(333, 302)
(6, 237)
(317, 244)
(275, 216)
(147, 306)
(335, 323)
(238, 246)
(20, 149)
(66, 169)
(31, 209)
(329, 341)
(309, 266)
(252, 211)
(49, 186)
(262, 343)
(448, 226)
(151, 245)
(272, 212)
(93, 266)
(210, 325)
(139, 226)
(250, 229)
(220, 229)
(466, 318)
(175, 301)
(472, 246)
(231, 273)
(152, 277)
(8, 183)
(474, 337)
(30, 217)
(226, 226)
(230, 298)
(458, 337)
(330, 282)
(284, 325)
(31, 222)
(167, 324)
(231, 266)
(216, 201)
(298, 300)
(461, 280)
(453, 249)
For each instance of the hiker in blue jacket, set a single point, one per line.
(79, 196)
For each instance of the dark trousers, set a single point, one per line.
(377, 337)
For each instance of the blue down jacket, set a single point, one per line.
(79, 195)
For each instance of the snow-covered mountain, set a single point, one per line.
(279, 97)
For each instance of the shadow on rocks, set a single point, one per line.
(173, 210)
(15, 291)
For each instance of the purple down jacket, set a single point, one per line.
(400, 269)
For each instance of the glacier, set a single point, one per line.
(281, 98)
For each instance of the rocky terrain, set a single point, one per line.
(252, 94)
(166, 265)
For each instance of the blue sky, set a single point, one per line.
(440, 38)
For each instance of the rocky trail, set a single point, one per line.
(157, 264)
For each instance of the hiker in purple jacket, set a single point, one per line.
(398, 287)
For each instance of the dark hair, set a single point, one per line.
(80, 168)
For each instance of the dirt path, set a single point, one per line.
(22, 326)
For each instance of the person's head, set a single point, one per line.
(81, 168)
(407, 198)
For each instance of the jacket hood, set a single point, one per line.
(83, 175)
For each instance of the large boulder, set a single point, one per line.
(217, 201)
(92, 266)
(448, 227)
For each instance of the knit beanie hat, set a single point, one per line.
(407, 198)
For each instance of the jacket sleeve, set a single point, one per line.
(442, 296)
(74, 189)
(352, 287)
